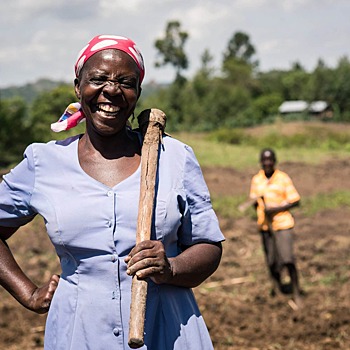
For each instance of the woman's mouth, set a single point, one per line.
(107, 109)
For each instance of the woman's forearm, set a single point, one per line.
(12, 278)
(195, 264)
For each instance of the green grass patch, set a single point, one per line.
(227, 206)
(323, 201)
(328, 280)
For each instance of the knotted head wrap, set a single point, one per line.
(105, 42)
(73, 114)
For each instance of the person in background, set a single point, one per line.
(273, 194)
(86, 188)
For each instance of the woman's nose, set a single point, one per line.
(112, 87)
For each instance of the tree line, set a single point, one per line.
(236, 94)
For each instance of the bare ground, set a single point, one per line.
(235, 301)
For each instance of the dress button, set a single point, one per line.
(116, 331)
(109, 223)
(110, 193)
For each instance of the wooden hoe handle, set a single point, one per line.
(152, 124)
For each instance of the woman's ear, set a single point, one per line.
(77, 88)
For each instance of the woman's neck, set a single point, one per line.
(123, 144)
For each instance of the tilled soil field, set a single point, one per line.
(235, 301)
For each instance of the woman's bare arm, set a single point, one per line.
(15, 281)
(189, 269)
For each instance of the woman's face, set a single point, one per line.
(108, 88)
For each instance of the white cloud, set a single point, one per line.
(269, 46)
(107, 7)
(200, 20)
(249, 4)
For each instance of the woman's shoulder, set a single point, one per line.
(178, 153)
(51, 151)
(53, 145)
(175, 144)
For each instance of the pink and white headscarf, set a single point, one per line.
(73, 114)
(105, 42)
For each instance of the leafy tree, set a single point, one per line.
(297, 66)
(340, 87)
(238, 67)
(320, 82)
(206, 68)
(271, 82)
(225, 103)
(15, 133)
(240, 48)
(171, 48)
(198, 90)
(238, 72)
(196, 98)
(294, 83)
(265, 107)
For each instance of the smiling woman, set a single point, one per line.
(94, 232)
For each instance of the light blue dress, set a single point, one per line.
(93, 229)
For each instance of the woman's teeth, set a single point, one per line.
(108, 108)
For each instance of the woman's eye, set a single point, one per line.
(128, 84)
(97, 81)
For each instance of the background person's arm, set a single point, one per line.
(248, 203)
(275, 210)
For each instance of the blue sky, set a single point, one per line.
(41, 38)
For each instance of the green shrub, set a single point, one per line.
(236, 136)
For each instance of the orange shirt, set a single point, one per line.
(276, 191)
